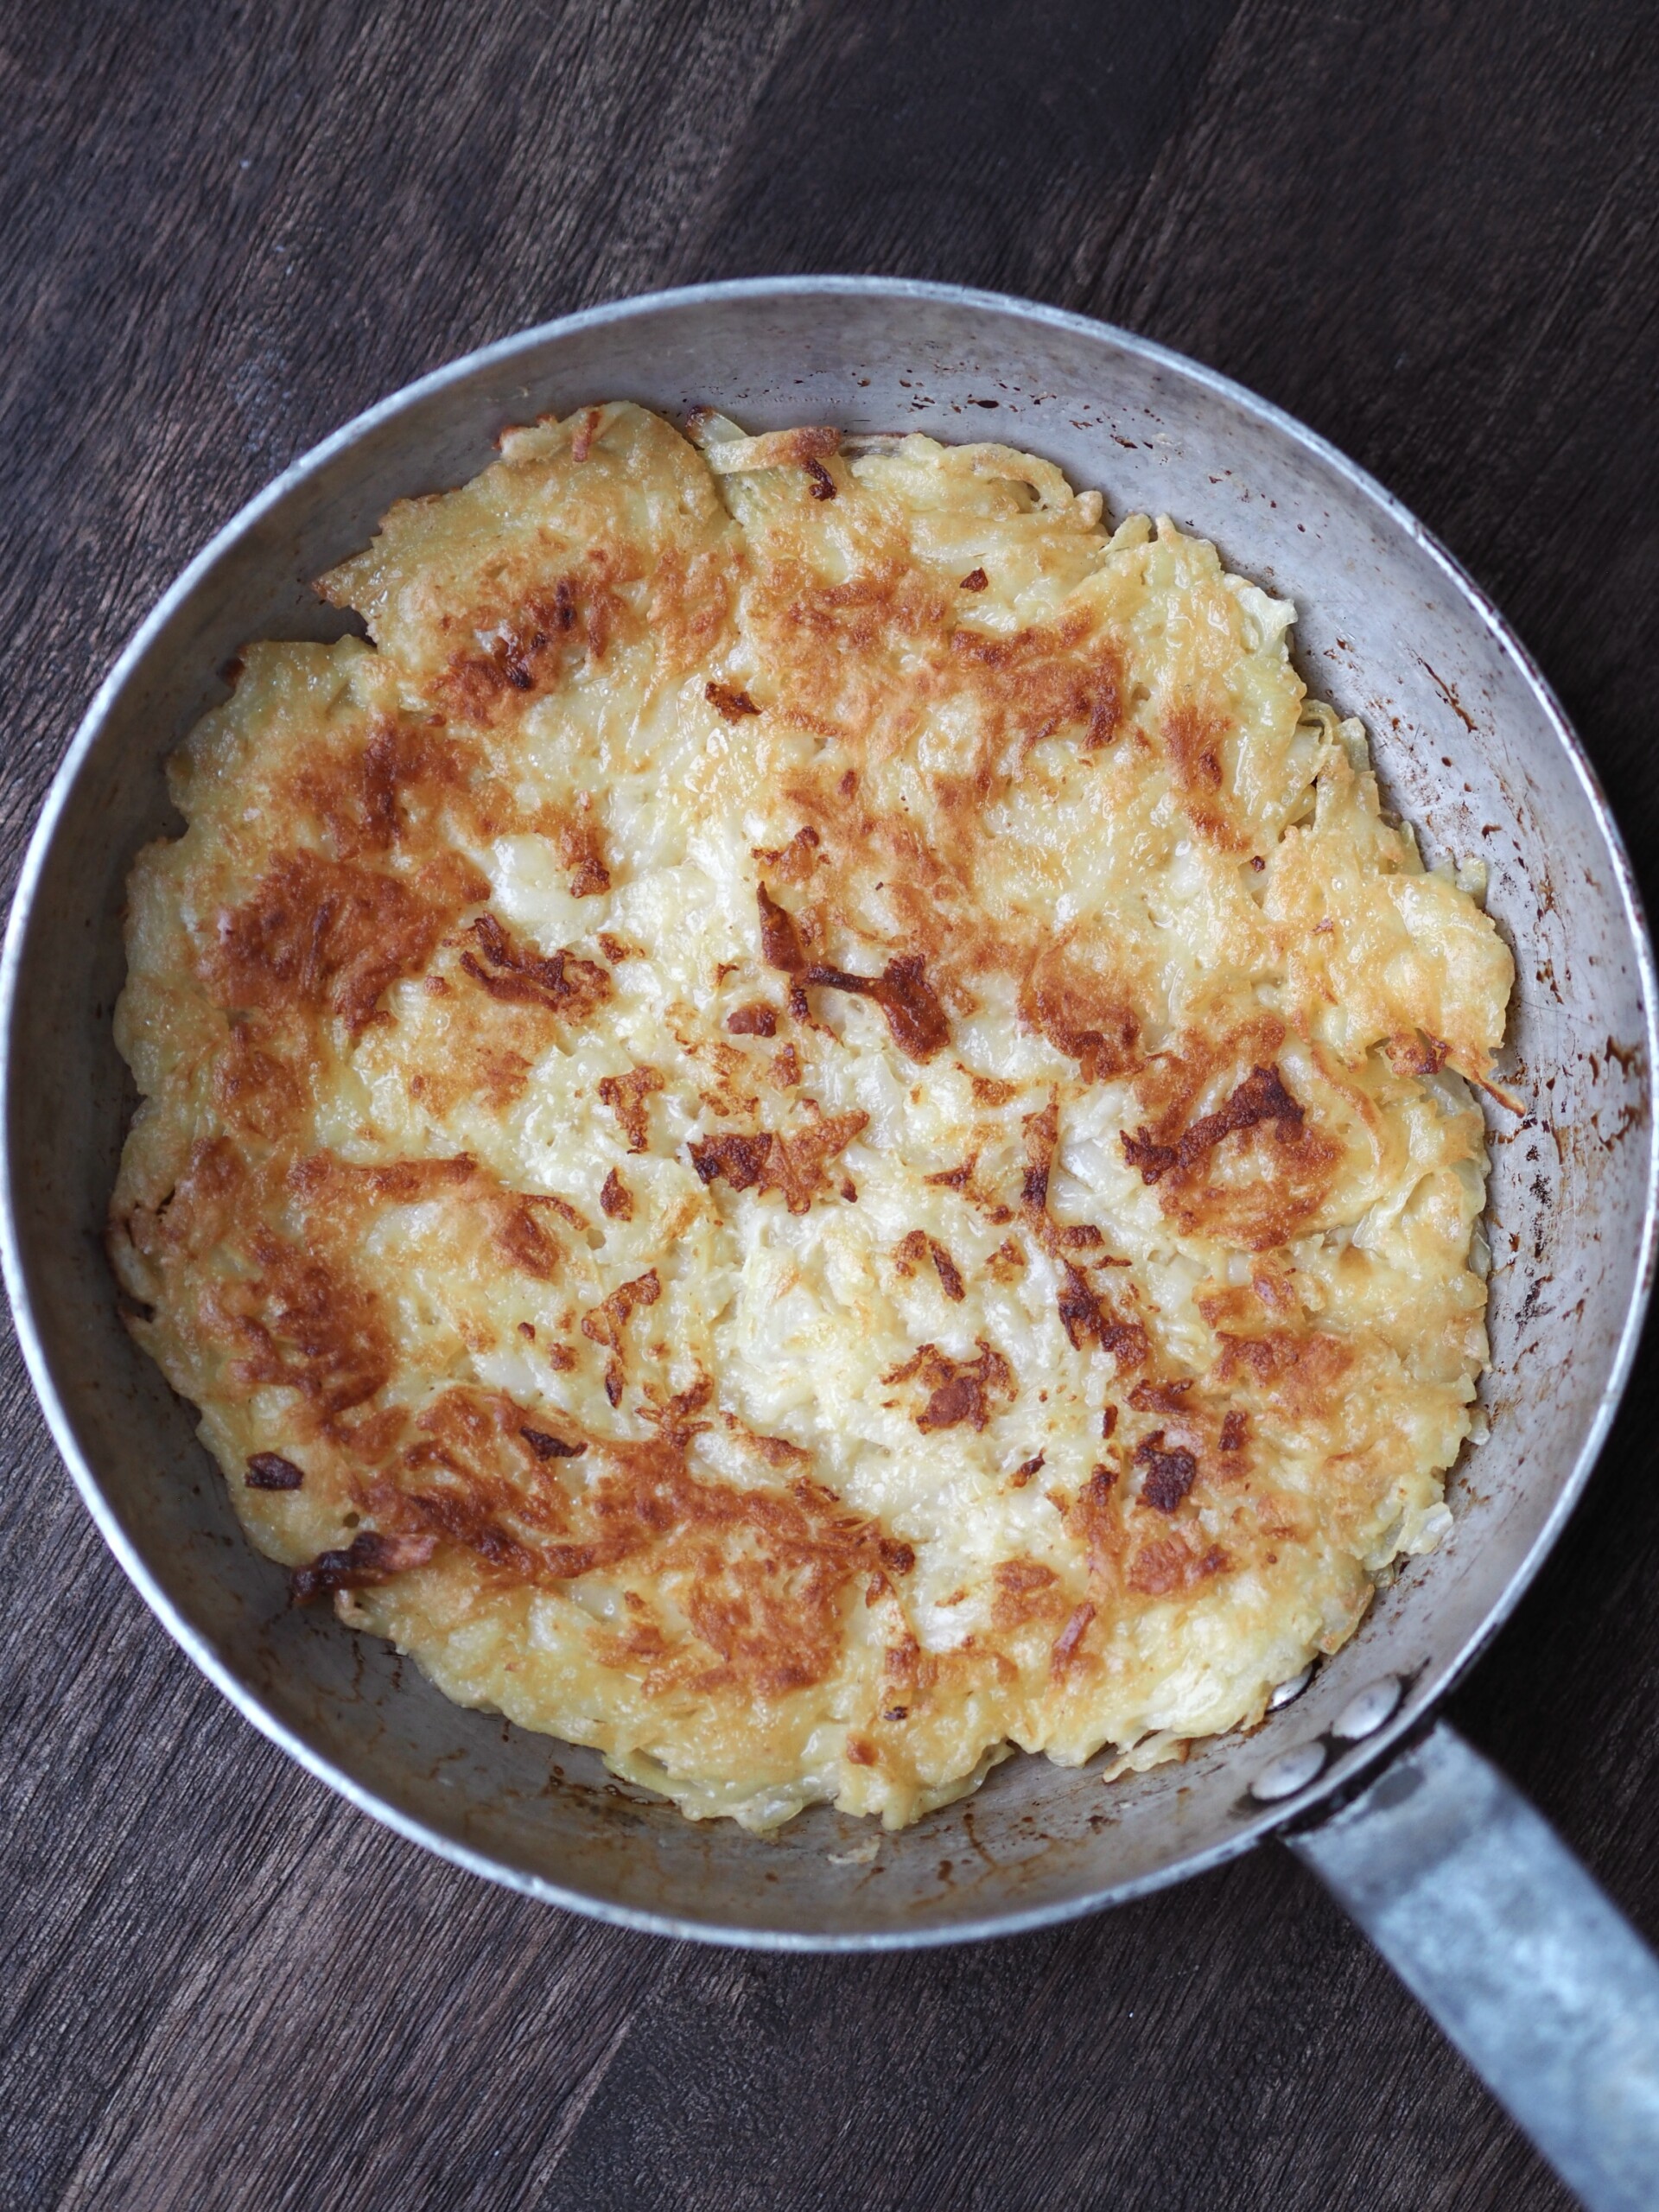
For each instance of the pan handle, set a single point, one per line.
(1496, 1928)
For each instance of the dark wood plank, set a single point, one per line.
(1428, 230)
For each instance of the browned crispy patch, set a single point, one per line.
(945, 1268)
(752, 1582)
(739, 1158)
(191, 1217)
(762, 1576)
(627, 1096)
(1024, 1590)
(301, 1322)
(616, 1200)
(807, 443)
(905, 1665)
(590, 878)
(1170, 1563)
(795, 862)
(258, 1092)
(1300, 1370)
(326, 1183)
(757, 1020)
(1069, 1640)
(368, 1559)
(1082, 1013)
(687, 603)
(676, 1415)
(976, 579)
(780, 940)
(321, 936)
(337, 1195)
(1007, 1263)
(488, 1019)
(1270, 1294)
(533, 642)
(1194, 738)
(1167, 1473)
(958, 1178)
(1047, 679)
(546, 1445)
(1169, 1396)
(795, 1166)
(368, 798)
(1093, 1518)
(915, 1018)
(582, 438)
(1087, 1317)
(913, 1249)
(523, 1239)
(991, 1090)
(1292, 1169)
(271, 1471)
(606, 1322)
(1041, 1133)
(479, 1472)
(731, 705)
(731, 1096)
(1083, 1237)
(959, 1391)
(1415, 1052)
(560, 983)
(1261, 1097)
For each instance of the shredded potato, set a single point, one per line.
(808, 1127)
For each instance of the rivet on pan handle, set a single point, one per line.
(1494, 1926)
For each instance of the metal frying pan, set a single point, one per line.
(1469, 1895)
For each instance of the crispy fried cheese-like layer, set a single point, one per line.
(809, 1125)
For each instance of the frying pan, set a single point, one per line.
(1472, 1899)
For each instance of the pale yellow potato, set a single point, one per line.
(809, 1128)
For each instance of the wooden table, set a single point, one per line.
(1429, 230)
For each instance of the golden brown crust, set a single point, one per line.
(763, 1576)
(1084, 1013)
(319, 935)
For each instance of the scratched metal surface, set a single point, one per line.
(1469, 746)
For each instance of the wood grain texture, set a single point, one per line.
(1429, 229)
